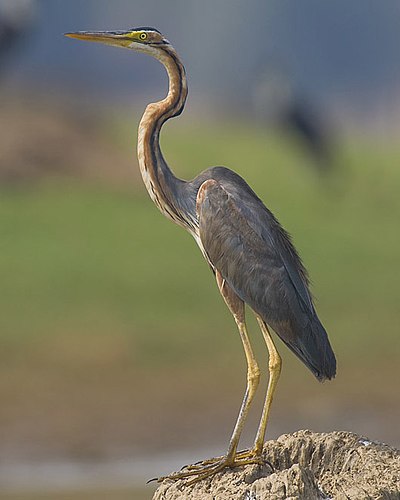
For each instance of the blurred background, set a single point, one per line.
(119, 360)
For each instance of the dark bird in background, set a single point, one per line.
(251, 256)
(278, 103)
(16, 20)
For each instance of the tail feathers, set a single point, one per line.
(312, 346)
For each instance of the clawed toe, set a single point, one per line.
(207, 468)
(203, 463)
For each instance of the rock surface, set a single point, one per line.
(306, 466)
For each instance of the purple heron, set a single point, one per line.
(250, 254)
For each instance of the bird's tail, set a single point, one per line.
(312, 346)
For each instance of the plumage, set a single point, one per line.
(253, 253)
(252, 257)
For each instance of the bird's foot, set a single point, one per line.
(240, 455)
(207, 468)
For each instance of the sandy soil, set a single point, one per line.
(304, 466)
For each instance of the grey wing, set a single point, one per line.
(245, 243)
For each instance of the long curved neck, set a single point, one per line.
(161, 183)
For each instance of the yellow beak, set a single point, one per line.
(116, 38)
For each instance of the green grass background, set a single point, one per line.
(90, 256)
(110, 318)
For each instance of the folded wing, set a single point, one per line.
(245, 243)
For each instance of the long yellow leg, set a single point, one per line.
(274, 366)
(236, 306)
(232, 458)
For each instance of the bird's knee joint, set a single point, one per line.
(253, 375)
(275, 364)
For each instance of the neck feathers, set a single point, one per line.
(160, 182)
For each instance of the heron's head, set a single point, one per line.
(140, 39)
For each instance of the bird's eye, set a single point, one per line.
(143, 36)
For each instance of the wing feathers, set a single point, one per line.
(244, 241)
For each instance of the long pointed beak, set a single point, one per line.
(118, 38)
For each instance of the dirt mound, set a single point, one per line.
(305, 466)
(40, 138)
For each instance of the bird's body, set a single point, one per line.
(279, 103)
(251, 255)
(255, 256)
